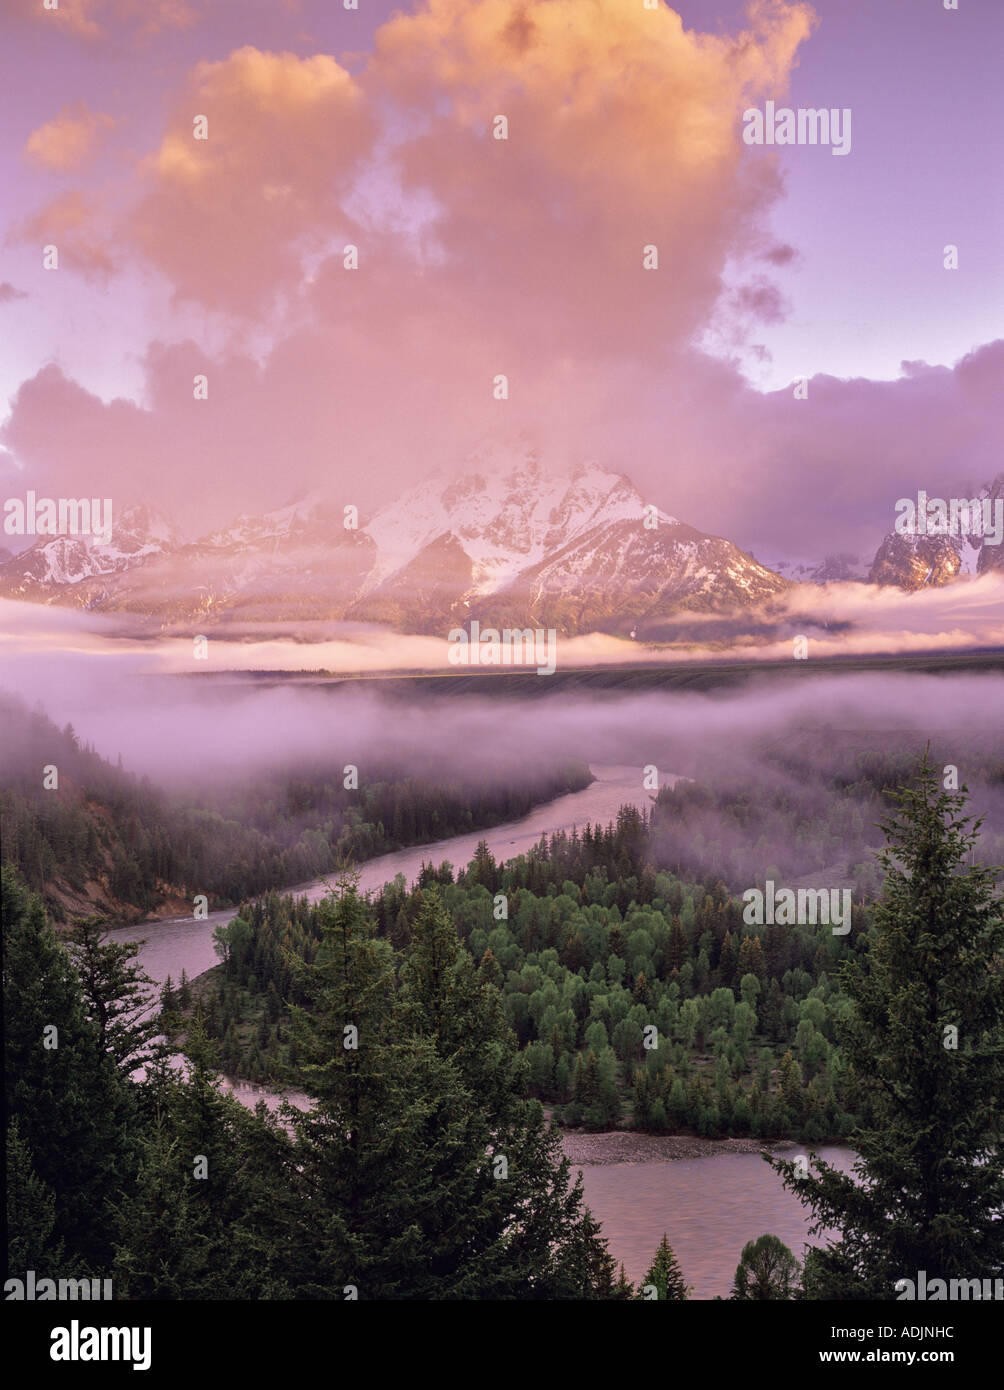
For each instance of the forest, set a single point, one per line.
(425, 1166)
(634, 997)
(789, 806)
(104, 840)
(638, 998)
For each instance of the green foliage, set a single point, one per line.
(567, 993)
(767, 1270)
(72, 1106)
(665, 1276)
(31, 1212)
(423, 1170)
(930, 1189)
(117, 995)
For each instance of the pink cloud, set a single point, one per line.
(226, 217)
(69, 139)
(90, 19)
(72, 222)
(479, 257)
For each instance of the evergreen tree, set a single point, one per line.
(391, 1160)
(168, 997)
(930, 1194)
(216, 1171)
(550, 1244)
(118, 995)
(665, 1275)
(424, 1170)
(165, 1245)
(184, 992)
(586, 1269)
(73, 1107)
(31, 1213)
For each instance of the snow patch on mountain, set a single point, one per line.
(507, 516)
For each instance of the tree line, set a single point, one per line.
(228, 841)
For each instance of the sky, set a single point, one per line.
(373, 127)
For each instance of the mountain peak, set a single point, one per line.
(511, 537)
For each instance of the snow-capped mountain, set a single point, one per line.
(914, 561)
(505, 518)
(520, 546)
(54, 563)
(509, 543)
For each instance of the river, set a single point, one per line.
(177, 943)
(708, 1206)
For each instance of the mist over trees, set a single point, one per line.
(143, 845)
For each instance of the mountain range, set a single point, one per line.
(508, 543)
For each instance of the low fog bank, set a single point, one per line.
(789, 774)
(177, 730)
(833, 621)
(196, 732)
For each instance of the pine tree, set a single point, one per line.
(538, 1238)
(31, 1213)
(168, 998)
(74, 1109)
(118, 995)
(165, 1245)
(585, 1269)
(728, 959)
(424, 1170)
(665, 1276)
(184, 992)
(215, 1170)
(676, 948)
(445, 998)
(392, 1157)
(751, 958)
(931, 1178)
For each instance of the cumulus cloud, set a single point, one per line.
(227, 217)
(477, 256)
(69, 139)
(480, 257)
(622, 134)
